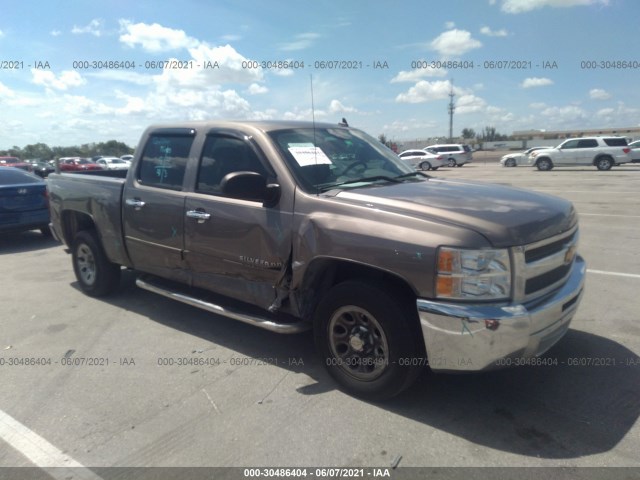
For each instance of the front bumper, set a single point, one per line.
(461, 337)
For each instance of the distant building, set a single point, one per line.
(629, 132)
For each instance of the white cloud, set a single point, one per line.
(55, 33)
(48, 79)
(301, 42)
(154, 38)
(6, 92)
(454, 43)
(470, 104)
(565, 114)
(134, 78)
(599, 94)
(306, 114)
(450, 25)
(229, 61)
(1, 34)
(410, 124)
(94, 27)
(494, 33)
(521, 6)
(536, 82)
(425, 91)
(538, 105)
(605, 112)
(337, 107)
(418, 74)
(255, 89)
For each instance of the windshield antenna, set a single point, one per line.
(313, 120)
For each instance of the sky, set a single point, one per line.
(387, 67)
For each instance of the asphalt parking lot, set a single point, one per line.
(144, 394)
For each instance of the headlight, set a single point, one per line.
(473, 274)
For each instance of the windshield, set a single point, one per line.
(325, 158)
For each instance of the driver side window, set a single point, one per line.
(570, 144)
(222, 155)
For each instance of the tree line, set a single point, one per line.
(111, 148)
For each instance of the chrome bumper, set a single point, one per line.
(460, 337)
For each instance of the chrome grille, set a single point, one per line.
(543, 266)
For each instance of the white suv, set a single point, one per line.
(602, 152)
(456, 154)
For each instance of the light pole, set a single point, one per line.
(452, 109)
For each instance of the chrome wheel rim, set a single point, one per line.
(358, 343)
(86, 264)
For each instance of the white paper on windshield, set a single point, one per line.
(309, 155)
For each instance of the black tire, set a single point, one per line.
(96, 275)
(510, 162)
(369, 340)
(452, 162)
(604, 163)
(425, 166)
(45, 231)
(544, 164)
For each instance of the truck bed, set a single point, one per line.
(97, 195)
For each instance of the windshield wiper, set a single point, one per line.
(375, 178)
(413, 174)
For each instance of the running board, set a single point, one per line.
(255, 320)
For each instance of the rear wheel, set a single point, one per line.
(452, 162)
(368, 339)
(604, 163)
(544, 164)
(96, 275)
(425, 166)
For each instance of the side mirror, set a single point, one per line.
(250, 186)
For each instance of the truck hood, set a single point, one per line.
(506, 216)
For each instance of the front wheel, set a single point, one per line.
(96, 275)
(452, 162)
(368, 340)
(510, 162)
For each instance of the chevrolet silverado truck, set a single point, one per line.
(292, 226)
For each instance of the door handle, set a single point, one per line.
(199, 215)
(136, 203)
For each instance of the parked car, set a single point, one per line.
(635, 151)
(456, 154)
(301, 225)
(113, 163)
(126, 157)
(24, 203)
(522, 158)
(14, 162)
(40, 167)
(601, 152)
(75, 164)
(423, 159)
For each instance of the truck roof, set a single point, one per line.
(264, 125)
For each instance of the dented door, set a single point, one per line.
(239, 248)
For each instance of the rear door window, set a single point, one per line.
(164, 161)
(588, 143)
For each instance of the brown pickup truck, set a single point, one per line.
(292, 226)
